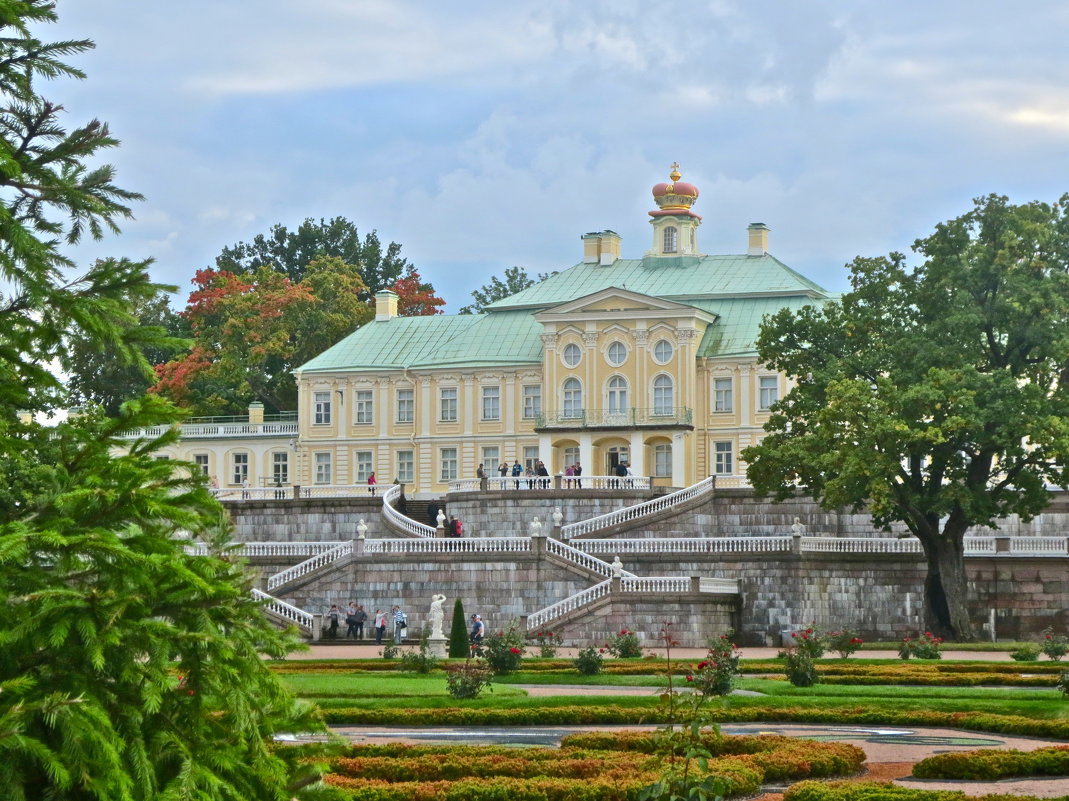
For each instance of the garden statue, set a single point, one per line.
(617, 567)
(436, 615)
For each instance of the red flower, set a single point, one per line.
(601, 650)
(794, 633)
(702, 665)
(690, 678)
(514, 650)
(623, 632)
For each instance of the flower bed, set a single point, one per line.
(585, 767)
(878, 791)
(991, 764)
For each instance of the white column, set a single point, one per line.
(586, 455)
(545, 452)
(745, 396)
(679, 461)
(638, 454)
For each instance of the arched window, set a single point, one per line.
(617, 394)
(663, 396)
(671, 239)
(573, 398)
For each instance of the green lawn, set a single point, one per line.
(371, 686)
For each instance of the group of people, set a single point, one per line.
(535, 476)
(354, 617)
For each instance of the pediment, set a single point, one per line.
(616, 302)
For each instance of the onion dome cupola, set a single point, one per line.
(675, 226)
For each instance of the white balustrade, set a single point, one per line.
(638, 511)
(1039, 546)
(687, 545)
(327, 557)
(284, 610)
(449, 545)
(269, 549)
(584, 560)
(398, 520)
(503, 483)
(655, 584)
(861, 545)
(582, 598)
(720, 586)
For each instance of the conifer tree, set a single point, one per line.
(129, 670)
(458, 632)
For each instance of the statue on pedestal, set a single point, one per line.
(535, 528)
(558, 517)
(441, 519)
(797, 528)
(617, 567)
(436, 616)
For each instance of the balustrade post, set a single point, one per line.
(358, 547)
(796, 544)
(538, 547)
(615, 585)
(1002, 543)
(557, 481)
(695, 584)
(296, 491)
(317, 627)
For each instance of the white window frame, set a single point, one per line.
(324, 467)
(616, 392)
(406, 405)
(491, 403)
(571, 348)
(364, 462)
(571, 455)
(723, 395)
(406, 466)
(532, 401)
(616, 353)
(364, 407)
(671, 239)
(658, 356)
(321, 408)
(239, 464)
(491, 458)
(662, 460)
(661, 392)
(724, 458)
(447, 404)
(201, 460)
(530, 457)
(447, 459)
(768, 391)
(280, 467)
(571, 399)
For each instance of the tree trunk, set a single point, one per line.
(946, 590)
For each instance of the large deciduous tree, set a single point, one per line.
(516, 280)
(129, 669)
(935, 396)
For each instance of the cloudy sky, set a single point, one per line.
(484, 135)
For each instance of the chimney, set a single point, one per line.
(758, 239)
(256, 413)
(385, 305)
(601, 247)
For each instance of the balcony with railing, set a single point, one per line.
(273, 425)
(633, 417)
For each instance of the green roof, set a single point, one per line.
(672, 278)
(741, 290)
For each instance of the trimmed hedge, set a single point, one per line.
(993, 764)
(609, 715)
(880, 791)
(578, 770)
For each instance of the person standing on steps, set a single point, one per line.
(380, 626)
(350, 620)
(361, 618)
(400, 623)
(333, 617)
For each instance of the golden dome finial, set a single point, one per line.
(674, 174)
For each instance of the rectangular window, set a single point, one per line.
(364, 414)
(769, 391)
(364, 466)
(240, 464)
(280, 468)
(449, 464)
(722, 400)
(530, 456)
(323, 468)
(201, 461)
(532, 402)
(447, 401)
(491, 459)
(406, 467)
(405, 406)
(571, 456)
(662, 460)
(491, 403)
(724, 464)
(321, 402)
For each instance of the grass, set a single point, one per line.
(372, 686)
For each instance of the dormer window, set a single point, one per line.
(671, 239)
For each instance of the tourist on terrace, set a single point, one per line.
(517, 471)
(380, 626)
(371, 483)
(333, 617)
(400, 623)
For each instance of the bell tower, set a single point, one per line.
(675, 226)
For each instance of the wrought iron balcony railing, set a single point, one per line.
(615, 418)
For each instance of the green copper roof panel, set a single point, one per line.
(735, 332)
(433, 341)
(669, 278)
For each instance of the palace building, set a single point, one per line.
(645, 361)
